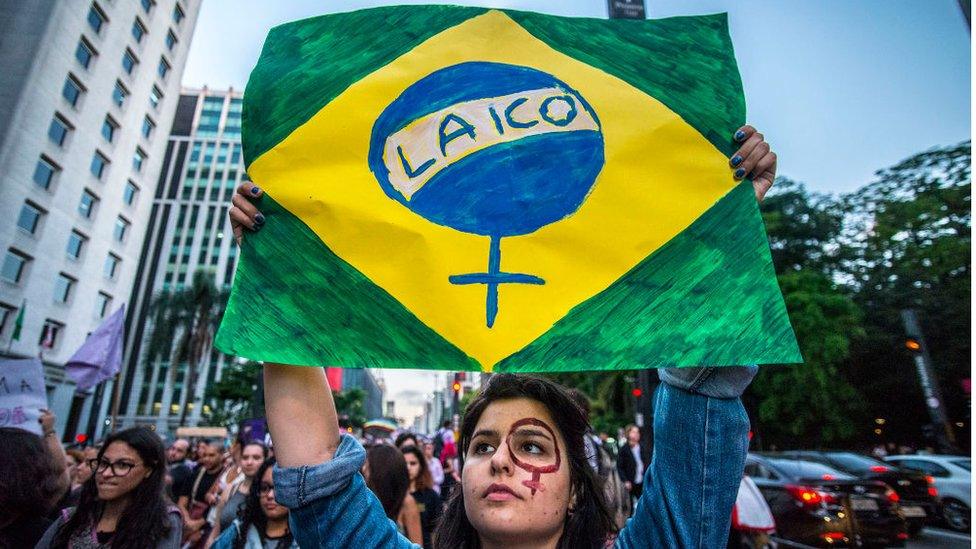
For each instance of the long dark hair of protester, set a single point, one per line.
(252, 512)
(590, 523)
(388, 477)
(29, 487)
(144, 522)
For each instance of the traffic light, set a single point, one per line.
(457, 383)
(636, 392)
(913, 345)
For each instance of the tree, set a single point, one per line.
(802, 227)
(184, 323)
(908, 243)
(350, 404)
(236, 396)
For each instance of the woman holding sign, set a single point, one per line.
(525, 480)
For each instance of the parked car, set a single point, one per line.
(918, 496)
(952, 478)
(817, 505)
(752, 522)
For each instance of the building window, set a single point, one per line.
(111, 267)
(147, 5)
(155, 96)
(235, 153)
(109, 128)
(102, 304)
(58, 131)
(129, 61)
(138, 30)
(178, 14)
(121, 229)
(30, 217)
(98, 164)
(96, 18)
(163, 68)
(84, 53)
(44, 172)
(130, 193)
(62, 288)
(147, 127)
(86, 207)
(170, 40)
(119, 93)
(14, 265)
(76, 243)
(49, 335)
(138, 159)
(72, 90)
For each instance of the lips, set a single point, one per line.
(500, 492)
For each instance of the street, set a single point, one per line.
(937, 537)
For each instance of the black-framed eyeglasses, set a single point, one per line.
(265, 488)
(119, 468)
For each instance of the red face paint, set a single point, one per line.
(536, 471)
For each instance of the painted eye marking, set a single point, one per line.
(536, 470)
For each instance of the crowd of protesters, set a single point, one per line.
(128, 491)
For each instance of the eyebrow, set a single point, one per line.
(533, 432)
(485, 432)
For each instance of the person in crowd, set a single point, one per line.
(385, 472)
(73, 457)
(263, 522)
(434, 465)
(422, 491)
(632, 461)
(526, 480)
(232, 499)
(179, 468)
(32, 479)
(404, 439)
(446, 427)
(603, 464)
(123, 504)
(200, 492)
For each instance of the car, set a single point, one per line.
(952, 478)
(753, 525)
(817, 505)
(918, 496)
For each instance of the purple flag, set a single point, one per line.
(100, 357)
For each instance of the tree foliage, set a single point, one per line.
(350, 406)
(236, 396)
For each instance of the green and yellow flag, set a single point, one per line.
(476, 189)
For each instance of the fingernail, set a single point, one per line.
(740, 173)
(739, 135)
(259, 219)
(255, 190)
(736, 160)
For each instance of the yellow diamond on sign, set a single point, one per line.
(658, 175)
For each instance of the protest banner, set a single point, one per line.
(22, 393)
(477, 189)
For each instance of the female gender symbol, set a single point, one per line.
(536, 470)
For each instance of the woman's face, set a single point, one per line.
(251, 459)
(268, 504)
(120, 471)
(413, 465)
(516, 477)
(429, 450)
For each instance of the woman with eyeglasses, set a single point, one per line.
(262, 523)
(122, 505)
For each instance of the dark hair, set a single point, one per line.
(388, 477)
(403, 437)
(424, 478)
(29, 480)
(580, 399)
(252, 512)
(446, 424)
(259, 444)
(145, 520)
(589, 524)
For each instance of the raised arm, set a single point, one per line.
(301, 415)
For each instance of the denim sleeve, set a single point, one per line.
(700, 445)
(719, 382)
(330, 505)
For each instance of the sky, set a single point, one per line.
(839, 88)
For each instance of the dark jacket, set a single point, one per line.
(626, 465)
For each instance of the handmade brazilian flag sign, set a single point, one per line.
(465, 188)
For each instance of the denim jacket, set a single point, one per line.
(700, 445)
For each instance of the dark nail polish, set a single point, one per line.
(740, 173)
(740, 135)
(259, 219)
(255, 190)
(736, 160)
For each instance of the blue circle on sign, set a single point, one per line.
(510, 188)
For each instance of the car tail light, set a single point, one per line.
(902, 535)
(879, 468)
(892, 495)
(829, 477)
(932, 489)
(833, 536)
(810, 496)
